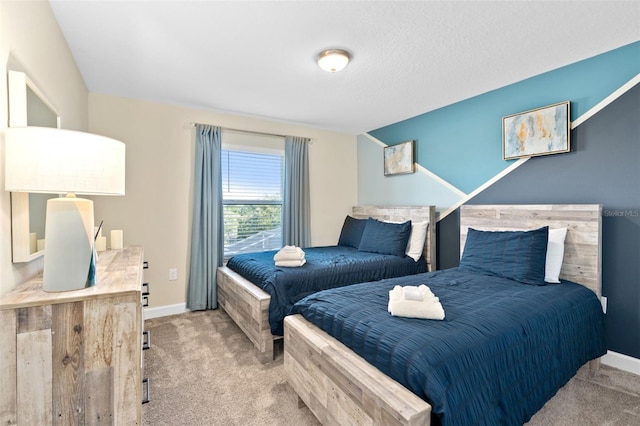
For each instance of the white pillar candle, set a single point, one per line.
(33, 244)
(40, 245)
(101, 243)
(116, 239)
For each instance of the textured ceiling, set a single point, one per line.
(257, 58)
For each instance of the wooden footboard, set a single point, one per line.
(340, 387)
(248, 306)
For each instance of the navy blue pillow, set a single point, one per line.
(385, 238)
(351, 233)
(517, 255)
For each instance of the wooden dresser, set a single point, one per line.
(75, 358)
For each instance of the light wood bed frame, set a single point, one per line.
(248, 305)
(340, 387)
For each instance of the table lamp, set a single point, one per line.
(50, 160)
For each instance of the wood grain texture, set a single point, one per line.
(99, 409)
(75, 357)
(127, 383)
(341, 388)
(99, 332)
(33, 318)
(34, 384)
(68, 363)
(8, 414)
(248, 305)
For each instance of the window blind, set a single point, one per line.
(252, 201)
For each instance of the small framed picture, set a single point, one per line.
(540, 131)
(399, 158)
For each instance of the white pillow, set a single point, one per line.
(555, 255)
(415, 246)
(416, 239)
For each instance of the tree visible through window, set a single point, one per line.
(252, 201)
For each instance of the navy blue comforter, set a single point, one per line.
(503, 349)
(326, 267)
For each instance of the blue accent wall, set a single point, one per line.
(462, 144)
(392, 190)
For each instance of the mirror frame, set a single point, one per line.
(17, 83)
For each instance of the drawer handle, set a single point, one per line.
(146, 340)
(147, 292)
(147, 390)
(145, 301)
(145, 265)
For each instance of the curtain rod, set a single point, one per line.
(251, 132)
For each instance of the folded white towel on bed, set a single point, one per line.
(291, 263)
(289, 253)
(427, 308)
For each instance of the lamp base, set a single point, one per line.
(69, 244)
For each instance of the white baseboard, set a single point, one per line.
(622, 362)
(163, 311)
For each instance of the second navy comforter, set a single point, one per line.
(326, 267)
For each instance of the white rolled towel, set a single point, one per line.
(427, 308)
(291, 263)
(289, 253)
(411, 292)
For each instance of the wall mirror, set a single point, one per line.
(28, 107)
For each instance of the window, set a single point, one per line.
(252, 201)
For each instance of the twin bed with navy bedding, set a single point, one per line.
(375, 243)
(521, 316)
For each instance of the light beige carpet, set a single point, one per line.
(203, 372)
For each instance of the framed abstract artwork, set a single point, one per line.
(536, 132)
(399, 158)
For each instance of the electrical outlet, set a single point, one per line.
(173, 274)
(603, 300)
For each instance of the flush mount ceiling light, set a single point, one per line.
(333, 60)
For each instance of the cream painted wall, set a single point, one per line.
(31, 42)
(156, 210)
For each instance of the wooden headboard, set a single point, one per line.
(402, 214)
(583, 244)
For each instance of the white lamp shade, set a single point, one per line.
(43, 159)
(333, 60)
